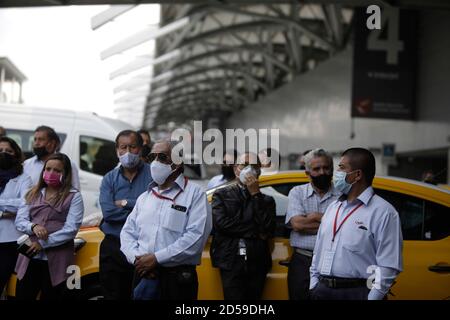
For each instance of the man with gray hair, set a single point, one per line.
(306, 206)
(166, 232)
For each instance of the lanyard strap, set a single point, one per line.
(160, 196)
(345, 219)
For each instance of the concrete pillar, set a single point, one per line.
(448, 166)
(20, 93)
(2, 81)
(13, 83)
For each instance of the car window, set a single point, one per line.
(25, 138)
(411, 211)
(280, 194)
(97, 155)
(437, 221)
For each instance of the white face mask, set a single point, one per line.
(248, 170)
(160, 171)
(340, 182)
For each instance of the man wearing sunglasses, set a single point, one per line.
(244, 222)
(118, 193)
(166, 232)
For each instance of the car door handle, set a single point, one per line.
(284, 263)
(439, 268)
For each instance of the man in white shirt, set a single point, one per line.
(46, 142)
(358, 251)
(166, 232)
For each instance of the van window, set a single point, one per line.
(437, 221)
(97, 155)
(25, 138)
(411, 211)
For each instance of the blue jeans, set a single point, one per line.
(147, 289)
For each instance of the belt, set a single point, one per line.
(304, 252)
(339, 283)
(180, 268)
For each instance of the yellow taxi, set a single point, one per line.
(424, 212)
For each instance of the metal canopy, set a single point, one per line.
(438, 4)
(215, 57)
(229, 55)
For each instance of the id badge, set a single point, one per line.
(327, 262)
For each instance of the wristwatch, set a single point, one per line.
(124, 203)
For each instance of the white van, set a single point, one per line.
(88, 140)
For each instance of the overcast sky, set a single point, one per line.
(59, 53)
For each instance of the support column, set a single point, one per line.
(20, 93)
(13, 82)
(2, 81)
(448, 166)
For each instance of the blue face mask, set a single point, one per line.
(340, 184)
(129, 160)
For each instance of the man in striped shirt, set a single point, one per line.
(307, 204)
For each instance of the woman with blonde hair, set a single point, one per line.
(51, 216)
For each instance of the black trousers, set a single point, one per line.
(116, 274)
(37, 279)
(322, 292)
(178, 283)
(245, 280)
(175, 283)
(298, 276)
(8, 258)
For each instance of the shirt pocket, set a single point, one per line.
(174, 220)
(358, 240)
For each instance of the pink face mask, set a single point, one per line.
(52, 179)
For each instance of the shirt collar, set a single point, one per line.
(364, 197)
(139, 167)
(331, 192)
(71, 190)
(179, 181)
(35, 159)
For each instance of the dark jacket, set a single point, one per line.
(237, 214)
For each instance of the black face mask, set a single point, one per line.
(228, 172)
(322, 182)
(40, 152)
(7, 161)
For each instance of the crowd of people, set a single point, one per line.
(156, 223)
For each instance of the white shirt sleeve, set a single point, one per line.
(129, 235)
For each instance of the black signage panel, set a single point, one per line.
(384, 65)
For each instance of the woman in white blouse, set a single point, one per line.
(14, 184)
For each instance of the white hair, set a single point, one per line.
(316, 153)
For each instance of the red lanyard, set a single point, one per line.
(345, 219)
(160, 196)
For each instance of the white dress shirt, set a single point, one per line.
(10, 200)
(371, 236)
(175, 237)
(33, 167)
(216, 181)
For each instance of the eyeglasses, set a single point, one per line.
(161, 157)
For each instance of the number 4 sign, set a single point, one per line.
(390, 21)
